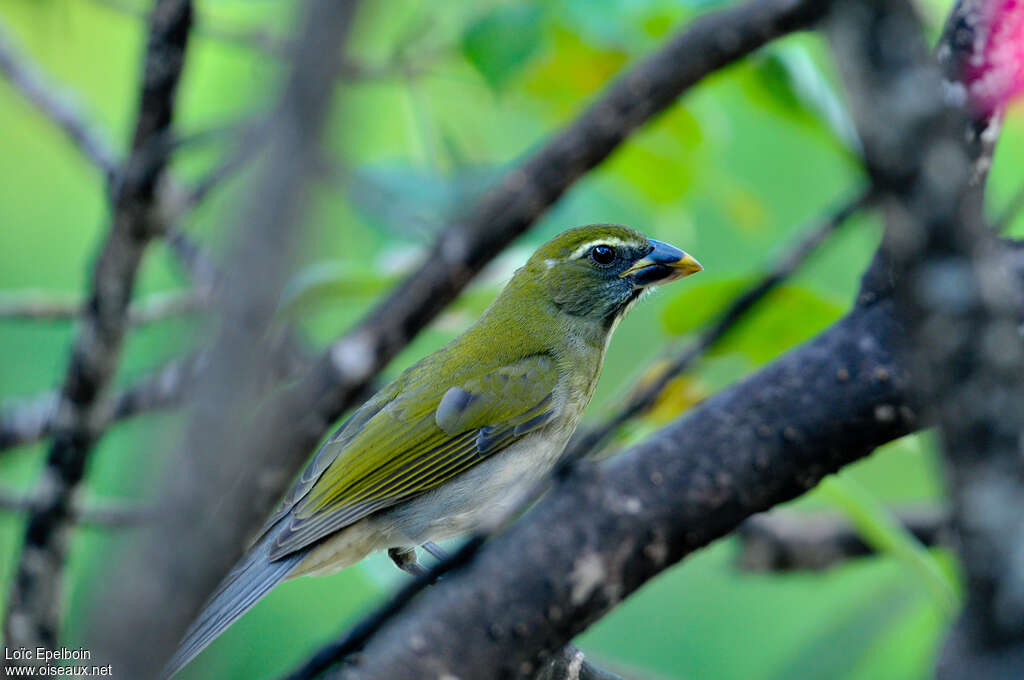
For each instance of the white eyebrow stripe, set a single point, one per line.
(607, 241)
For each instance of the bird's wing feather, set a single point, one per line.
(327, 453)
(429, 436)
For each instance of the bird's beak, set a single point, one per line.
(663, 264)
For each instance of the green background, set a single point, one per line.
(455, 93)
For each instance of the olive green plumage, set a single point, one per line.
(454, 437)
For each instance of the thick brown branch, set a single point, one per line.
(34, 607)
(957, 300)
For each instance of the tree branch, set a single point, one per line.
(253, 39)
(34, 607)
(219, 464)
(35, 419)
(107, 515)
(959, 303)
(43, 306)
(571, 664)
(278, 47)
(791, 540)
(175, 199)
(199, 266)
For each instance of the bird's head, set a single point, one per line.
(599, 270)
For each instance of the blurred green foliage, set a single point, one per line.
(458, 92)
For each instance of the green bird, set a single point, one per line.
(455, 438)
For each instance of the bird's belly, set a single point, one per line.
(477, 496)
(482, 493)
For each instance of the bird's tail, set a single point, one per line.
(248, 582)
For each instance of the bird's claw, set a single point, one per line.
(406, 560)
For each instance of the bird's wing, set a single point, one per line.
(415, 442)
(328, 452)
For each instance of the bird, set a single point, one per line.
(456, 437)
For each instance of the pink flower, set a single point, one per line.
(995, 72)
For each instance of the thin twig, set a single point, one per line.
(190, 255)
(33, 613)
(34, 419)
(35, 305)
(199, 266)
(281, 47)
(59, 106)
(50, 99)
(644, 398)
(216, 176)
(253, 39)
(791, 540)
(107, 515)
(28, 421)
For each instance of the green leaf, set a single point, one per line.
(841, 643)
(499, 43)
(410, 201)
(615, 24)
(322, 282)
(787, 316)
(887, 536)
(786, 79)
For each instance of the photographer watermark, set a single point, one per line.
(42, 662)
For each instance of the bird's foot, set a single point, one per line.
(435, 550)
(405, 559)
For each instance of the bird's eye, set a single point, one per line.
(602, 254)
